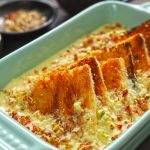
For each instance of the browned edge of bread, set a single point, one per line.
(122, 50)
(115, 73)
(56, 91)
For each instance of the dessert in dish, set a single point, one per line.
(89, 94)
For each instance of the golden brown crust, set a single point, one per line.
(41, 99)
(144, 29)
(57, 91)
(133, 50)
(115, 73)
(122, 50)
(83, 86)
(140, 52)
(99, 85)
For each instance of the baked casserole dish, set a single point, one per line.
(86, 96)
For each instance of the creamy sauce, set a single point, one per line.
(124, 106)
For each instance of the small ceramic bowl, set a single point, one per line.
(42, 7)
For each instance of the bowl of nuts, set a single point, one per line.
(25, 17)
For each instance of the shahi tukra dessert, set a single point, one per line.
(86, 96)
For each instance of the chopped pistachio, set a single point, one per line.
(77, 107)
(100, 114)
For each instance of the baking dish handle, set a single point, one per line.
(13, 136)
(146, 6)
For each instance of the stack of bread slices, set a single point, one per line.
(64, 91)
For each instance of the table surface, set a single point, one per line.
(62, 16)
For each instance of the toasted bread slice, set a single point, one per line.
(57, 91)
(76, 95)
(75, 85)
(43, 94)
(83, 86)
(99, 85)
(132, 49)
(115, 73)
(140, 52)
(143, 29)
(68, 95)
(120, 50)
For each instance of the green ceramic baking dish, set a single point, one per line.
(13, 136)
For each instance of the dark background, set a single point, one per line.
(10, 45)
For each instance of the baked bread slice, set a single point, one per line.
(58, 91)
(99, 85)
(139, 50)
(140, 53)
(133, 50)
(122, 50)
(78, 85)
(115, 73)
(144, 29)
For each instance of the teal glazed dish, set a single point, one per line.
(15, 136)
